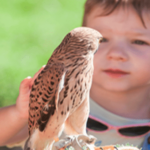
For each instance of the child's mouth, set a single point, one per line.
(115, 73)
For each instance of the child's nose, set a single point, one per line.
(118, 53)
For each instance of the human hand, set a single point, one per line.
(22, 103)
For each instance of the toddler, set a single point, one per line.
(120, 101)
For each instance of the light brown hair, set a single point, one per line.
(110, 5)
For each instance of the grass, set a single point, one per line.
(29, 32)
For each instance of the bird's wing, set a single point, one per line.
(44, 96)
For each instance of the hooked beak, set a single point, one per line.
(99, 44)
(100, 40)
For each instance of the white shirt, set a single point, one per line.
(112, 137)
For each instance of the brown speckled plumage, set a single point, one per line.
(60, 94)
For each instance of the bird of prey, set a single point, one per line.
(59, 97)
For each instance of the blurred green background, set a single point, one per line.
(29, 32)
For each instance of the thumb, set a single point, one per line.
(25, 85)
(36, 74)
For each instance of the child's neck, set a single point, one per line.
(130, 104)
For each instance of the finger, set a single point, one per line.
(36, 74)
(25, 85)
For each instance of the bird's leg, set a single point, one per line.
(76, 123)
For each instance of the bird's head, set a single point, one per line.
(80, 42)
(84, 40)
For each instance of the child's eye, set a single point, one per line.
(139, 42)
(103, 40)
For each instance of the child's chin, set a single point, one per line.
(116, 87)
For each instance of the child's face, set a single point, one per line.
(123, 60)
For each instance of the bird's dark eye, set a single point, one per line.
(103, 40)
(139, 42)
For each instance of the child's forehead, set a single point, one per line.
(127, 17)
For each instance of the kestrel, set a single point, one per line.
(59, 98)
